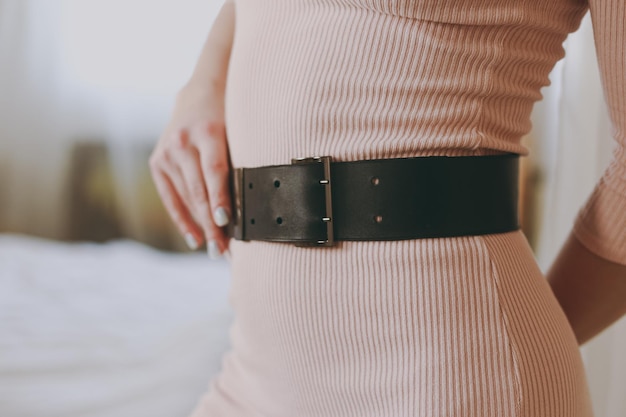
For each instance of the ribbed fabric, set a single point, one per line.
(462, 326)
(440, 327)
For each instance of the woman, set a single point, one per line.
(461, 325)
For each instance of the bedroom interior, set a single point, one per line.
(104, 311)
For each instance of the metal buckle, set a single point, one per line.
(237, 223)
(326, 182)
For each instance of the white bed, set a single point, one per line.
(108, 330)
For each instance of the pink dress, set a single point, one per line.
(455, 327)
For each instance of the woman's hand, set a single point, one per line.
(190, 167)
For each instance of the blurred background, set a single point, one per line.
(103, 310)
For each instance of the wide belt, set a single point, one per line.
(315, 201)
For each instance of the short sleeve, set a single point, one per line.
(600, 223)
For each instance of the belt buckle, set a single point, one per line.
(328, 218)
(236, 226)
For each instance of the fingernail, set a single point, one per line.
(220, 216)
(191, 241)
(213, 250)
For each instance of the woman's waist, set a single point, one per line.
(282, 269)
(273, 144)
(272, 122)
(292, 112)
(279, 288)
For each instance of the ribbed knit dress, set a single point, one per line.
(436, 327)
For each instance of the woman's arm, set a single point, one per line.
(212, 64)
(590, 289)
(190, 163)
(589, 275)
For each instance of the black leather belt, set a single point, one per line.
(315, 202)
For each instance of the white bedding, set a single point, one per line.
(108, 330)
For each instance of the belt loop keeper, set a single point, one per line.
(328, 219)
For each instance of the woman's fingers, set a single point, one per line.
(205, 172)
(176, 179)
(175, 206)
(198, 196)
(216, 170)
(191, 170)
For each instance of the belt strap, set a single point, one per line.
(315, 201)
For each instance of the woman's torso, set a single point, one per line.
(461, 326)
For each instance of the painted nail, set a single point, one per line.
(213, 250)
(220, 216)
(191, 241)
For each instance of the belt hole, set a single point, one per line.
(378, 218)
(251, 221)
(250, 185)
(276, 183)
(279, 220)
(375, 180)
